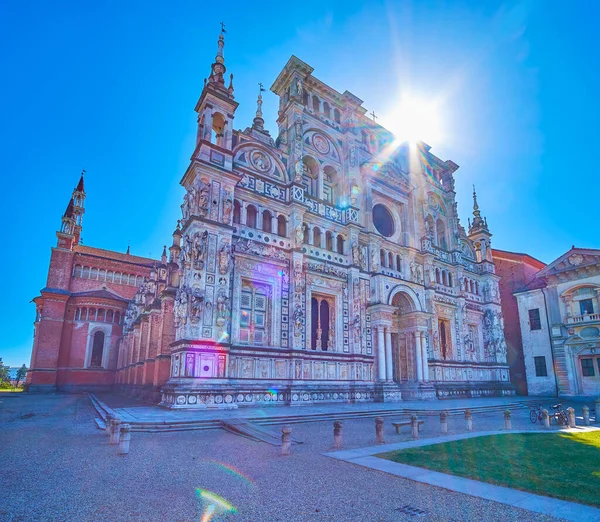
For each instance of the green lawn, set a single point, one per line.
(561, 465)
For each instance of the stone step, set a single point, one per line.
(254, 432)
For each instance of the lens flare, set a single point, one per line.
(214, 504)
(231, 470)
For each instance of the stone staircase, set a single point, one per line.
(251, 424)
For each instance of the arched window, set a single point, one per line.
(445, 278)
(317, 237)
(382, 258)
(85, 272)
(101, 314)
(329, 241)
(83, 314)
(118, 317)
(305, 97)
(139, 280)
(281, 226)
(315, 103)
(340, 244)
(218, 130)
(476, 287)
(326, 110)
(78, 270)
(78, 314)
(441, 235)
(102, 275)
(110, 316)
(437, 276)
(472, 287)
(305, 229)
(330, 181)
(390, 260)
(310, 176)
(118, 278)
(109, 276)
(450, 279)
(251, 214)
(97, 350)
(237, 211)
(398, 263)
(267, 221)
(92, 314)
(337, 116)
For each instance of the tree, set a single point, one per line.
(4, 372)
(21, 373)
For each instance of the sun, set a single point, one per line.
(413, 119)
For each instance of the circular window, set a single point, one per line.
(383, 220)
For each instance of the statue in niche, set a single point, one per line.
(224, 257)
(299, 87)
(227, 209)
(199, 248)
(355, 253)
(181, 305)
(298, 317)
(203, 197)
(185, 207)
(299, 171)
(356, 329)
(299, 234)
(298, 126)
(374, 259)
(222, 304)
(298, 370)
(196, 304)
(189, 364)
(298, 276)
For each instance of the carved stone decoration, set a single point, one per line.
(354, 190)
(321, 143)
(196, 304)
(355, 253)
(494, 345)
(260, 161)
(203, 197)
(352, 158)
(251, 247)
(374, 258)
(181, 306)
(222, 304)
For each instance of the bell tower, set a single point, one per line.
(480, 234)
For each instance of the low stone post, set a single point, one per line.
(444, 421)
(414, 426)
(469, 420)
(507, 421)
(108, 425)
(124, 439)
(379, 430)
(597, 406)
(114, 432)
(546, 418)
(337, 434)
(586, 416)
(571, 416)
(286, 440)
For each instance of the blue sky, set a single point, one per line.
(111, 87)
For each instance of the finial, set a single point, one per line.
(259, 122)
(128, 248)
(478, 224)
(205, 82)
(476, 212)
(230, 88)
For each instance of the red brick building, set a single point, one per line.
(80, 311)
(515, 270)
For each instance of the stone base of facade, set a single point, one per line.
(456, 390)
(200, 394)
(418, 391)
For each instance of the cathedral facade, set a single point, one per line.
(327, 264)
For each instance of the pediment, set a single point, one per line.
(574, 259)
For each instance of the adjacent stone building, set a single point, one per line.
(326, 264)
(559, 312)
(516, 270)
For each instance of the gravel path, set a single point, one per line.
(57, 466)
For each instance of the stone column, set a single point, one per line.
(444, 422)
(389, 369)
(380, 354)
(571, 417)
(379, 430)
(414, 426)
(286, 440)
(586, 416)
(546, 418)
(337, 434)
(419, 356)
(507, 421)
(243, 214)
(424, 357)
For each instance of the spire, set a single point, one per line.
(218, 68)
(163, 257)
(478, 223)
(79, 187)
(259, 122)
(69, 212)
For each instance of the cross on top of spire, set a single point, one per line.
(223, 28)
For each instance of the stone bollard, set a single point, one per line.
(444, 422)
(597, 406)
(379, 430)
(414, 426)
(586, 416)
(114, 432)
(124, 438)
(286, 440)
(337, 434)
(546, 418)
(571, 416)
(507, 421)
(469, 420)
(108, 425)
